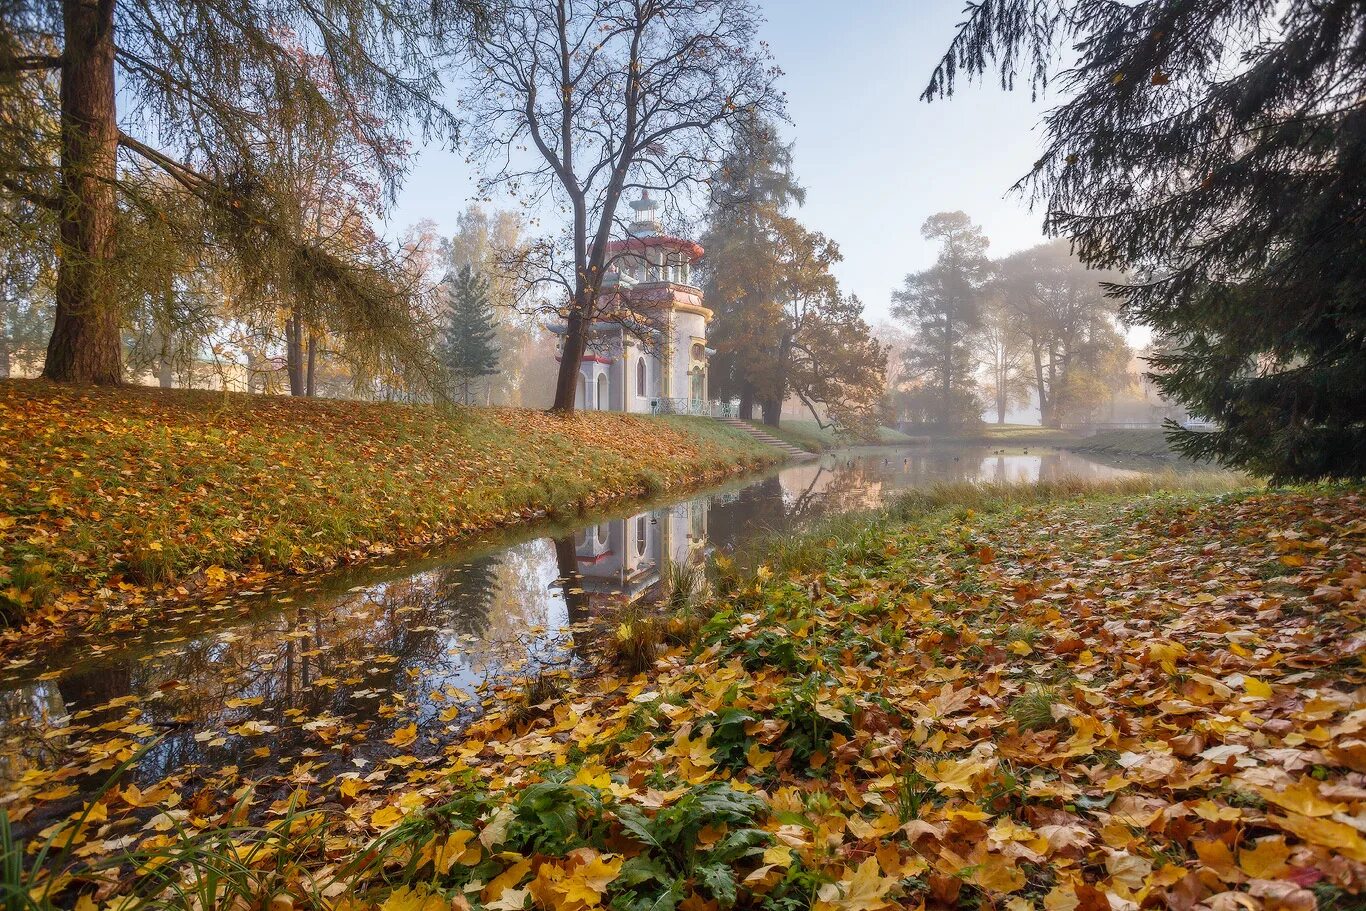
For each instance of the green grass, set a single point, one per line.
(1150, 444)
(812, 437)
(104, 489)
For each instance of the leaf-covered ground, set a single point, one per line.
(1100, 705)
(119, 497)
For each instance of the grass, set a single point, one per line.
(135, 492)
(812, 437)
(998, 435)
(800, 550)
(1150, 444)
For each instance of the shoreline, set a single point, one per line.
(519, 467)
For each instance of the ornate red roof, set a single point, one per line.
(692, 248)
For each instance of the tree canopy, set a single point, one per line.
(208, 93)
(1215, 150)
(580, 102)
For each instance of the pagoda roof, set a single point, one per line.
(645, 241)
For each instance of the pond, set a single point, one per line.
(375, 669)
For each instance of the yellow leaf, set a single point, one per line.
(1266, 860)
(952, 774)
(506, 880)
(1324, 832)
(1302, 797)
(1254, 687)
(415, 898)
(386, 817)
(403, 736)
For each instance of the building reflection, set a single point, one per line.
(324, 674)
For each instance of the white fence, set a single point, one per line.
(713, 409)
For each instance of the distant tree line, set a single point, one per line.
(991, 335)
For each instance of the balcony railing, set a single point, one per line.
(715, 409)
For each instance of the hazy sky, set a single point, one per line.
(876, 161)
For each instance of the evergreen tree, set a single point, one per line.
(748, 194)
(468, 350)
(1215, 150)
(943, 307)
(782, 326)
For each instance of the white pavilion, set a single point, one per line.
(652, 273)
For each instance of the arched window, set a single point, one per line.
(641, 532)
(640, 377)
(602, 392)
(583, 392)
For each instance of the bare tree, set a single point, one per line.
(577, 102)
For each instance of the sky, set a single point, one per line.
(875, 160)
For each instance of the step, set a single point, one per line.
(767, 439)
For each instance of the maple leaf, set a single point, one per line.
(864, 890)
(404, 736)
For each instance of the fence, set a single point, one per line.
(714, 409)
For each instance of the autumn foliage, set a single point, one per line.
(119, 497)
(1088, 706)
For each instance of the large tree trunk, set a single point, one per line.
(747, 401)
(947, 418)
(1040, 386)
(575, 343)
(85, 345)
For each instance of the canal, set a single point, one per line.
(375, 669)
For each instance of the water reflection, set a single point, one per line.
(328, 676)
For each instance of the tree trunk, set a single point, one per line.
(1040, 386)
(253, 372)
(85, 346)
(294, 353)
(773, 405)
(772, 412)
(310, 389)
(747, 402)
(575, 343)
(948, 370)
(165, 375)
(5, 342)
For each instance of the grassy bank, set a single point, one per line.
(1060, 699)
(812, 437)
(1148, 444)
(115, 496)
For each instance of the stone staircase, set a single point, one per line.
(794, 453)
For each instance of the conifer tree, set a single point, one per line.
(943, 307)
(1215, 150)
(468, 350)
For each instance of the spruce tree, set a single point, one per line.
(1215, 150)
(468, 349)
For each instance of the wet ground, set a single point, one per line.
(373, 668)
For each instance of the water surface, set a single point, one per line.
(297, 684)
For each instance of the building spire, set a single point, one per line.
(647, 216)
